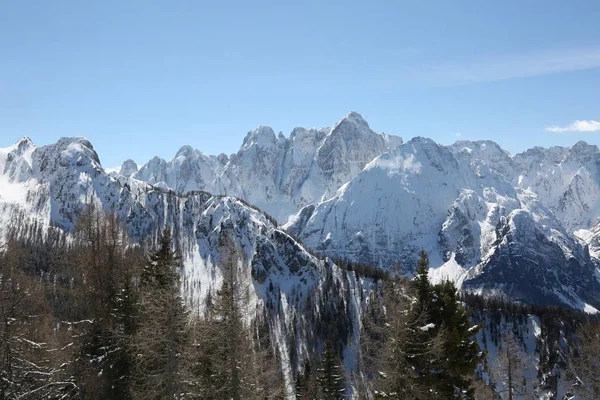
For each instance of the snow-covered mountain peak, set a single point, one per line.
(263, 137)
(71, 151)
(352, 118)
(23, 144)
(153, 172)
(484, 152)
(458, 205)
(299, 133)
(479, 147)
(396, 163)
(410, 157)
(185, 151)
(467, 204)
(128, 168)
(15, 161)
(277, 173)
(582, 152)
(17, 149)
(351, 127)
(428, 151)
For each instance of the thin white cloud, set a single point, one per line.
(578, 126)
(458, 134)
(491, 68)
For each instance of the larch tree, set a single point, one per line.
(510, 369)
(32, 365)
(584, 365)
(103, 268)
(233, 357)
(160, 338)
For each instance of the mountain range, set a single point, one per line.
(522, 226)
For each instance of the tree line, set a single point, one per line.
(91, 315)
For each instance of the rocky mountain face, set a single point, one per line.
(565, 179)
(470, 207)
(276, 173)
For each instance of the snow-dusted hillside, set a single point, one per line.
(278, 174)
(533, 341)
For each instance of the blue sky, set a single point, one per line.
(142, 78)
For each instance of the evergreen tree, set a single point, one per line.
(161, 271)
(331, 375)
(127, 317)
(421, 283)
(422, 349)
(395, 351)
(423, 341)
(461, 356)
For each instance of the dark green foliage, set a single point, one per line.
(421, 283)
(429, 346)
(363, 270)
(461, 351)
(161, 270)
(331, 375)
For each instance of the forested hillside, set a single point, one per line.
(91, 315)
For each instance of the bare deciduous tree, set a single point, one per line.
(584, 365)
(481, 391)
(510, 370)
(234, 357)
(158, 345)
(31, 363)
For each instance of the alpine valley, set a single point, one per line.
(522, 229)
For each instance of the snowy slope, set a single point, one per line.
(419, 196)
(541, 353)
(23, 202)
